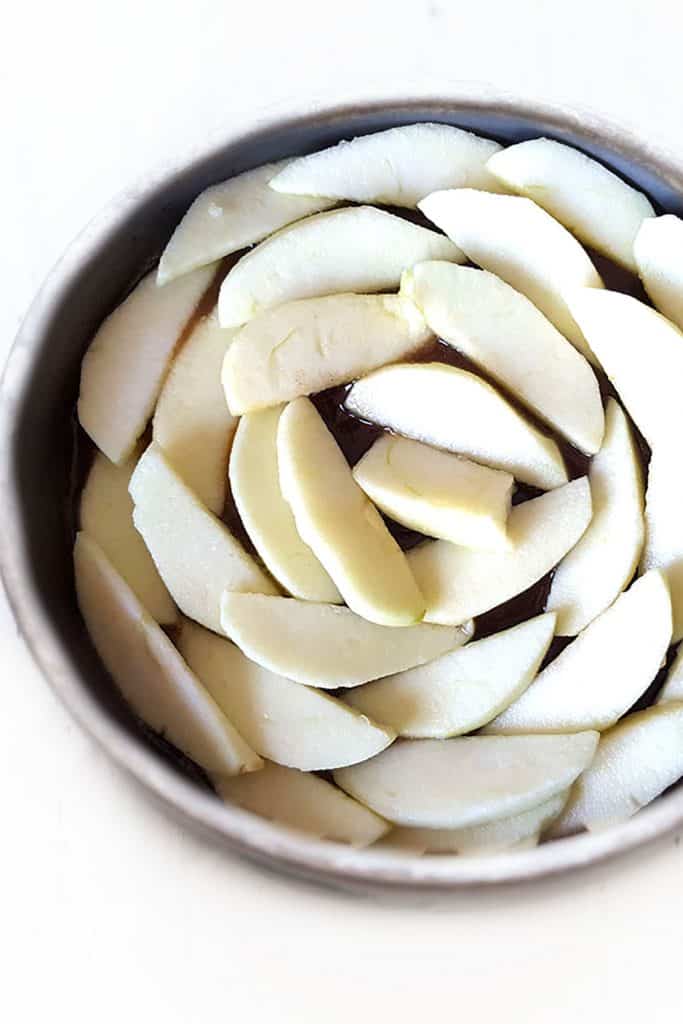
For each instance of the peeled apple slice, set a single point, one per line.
(658, 251)
(663, 547)
(673, 687)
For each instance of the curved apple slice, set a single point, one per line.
(148, 670)
(673, 686)
(342, 528)
(663, 547)
(304, 802)
(197, 556)
(357, 249)
(517, 240)
(461, 690)
(106, 515)
(503, 332)
(267, 518)
(309, 345)
(192, 422)
(124, 368)
(397, 167)
(583, 195)
(469, 780)
(459, 583)
(418, 401)
(658, 250)
(603, 562)
(327, 646)
(230, 216)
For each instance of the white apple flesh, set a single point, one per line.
(663, 548)
(658, 251)
(673, 685)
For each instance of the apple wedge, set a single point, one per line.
(197, 556)
(418, 400)
(230, 216)
(148, 670)
(663, 547)
(303, 802)
(657, 249)
(357, 249)
(469, 780)
(599, 676)
(635, 761)
(514, 238)
(398, 166)
(283, 721)
(267, 518)
(309, 345)
(673, 686)
(505, 334)
(124, 368)
(437, 493)
(192, 422)
(603, 562)
(588, 199)
(327, 646)
(342, 528)
(461, 690)
(459, 583)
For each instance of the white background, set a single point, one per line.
(108, 912)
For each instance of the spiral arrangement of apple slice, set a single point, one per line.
(394, 495)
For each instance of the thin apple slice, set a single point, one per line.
(459, 583)
(591, 201)
(603, 562)
(635, 761)
(398, 166)
(419, 400)
(514, 238)
(342, 528)
(267, 518)
(197, 556)
(106, 515)
(461, 690)
(357, 249)
(283, 721)
(308, 345)
(599, 676)
(303, 802)
(504, 333)
(148, 670)
(658, 250)
(124, 368)
(673, 686)
(437, 493)
(230, 216)
(469, 780)
(663, 535)
(192, 423)
(326, 646)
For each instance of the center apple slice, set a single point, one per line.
(657, 250)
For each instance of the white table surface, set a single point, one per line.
(109, 912)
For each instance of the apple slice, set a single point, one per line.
(663, 536)
(603, 562)
(397, 167)
(459, 583)
(192, 422)
(657, 249)
(590, 200)
(196, 554)
(598, 677)
(267, 518)
(343, 529)
(636, 761)
(303, 802)
(520, 242)
(418, 400)
(503, 332)
(148, 670)
(308, 345)
(326, 646)
(673, 687)
(437, 493)
(461, 690)
(469, 780)
(283, 721)
(357, 249)
(230, 216)
(124, 368)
